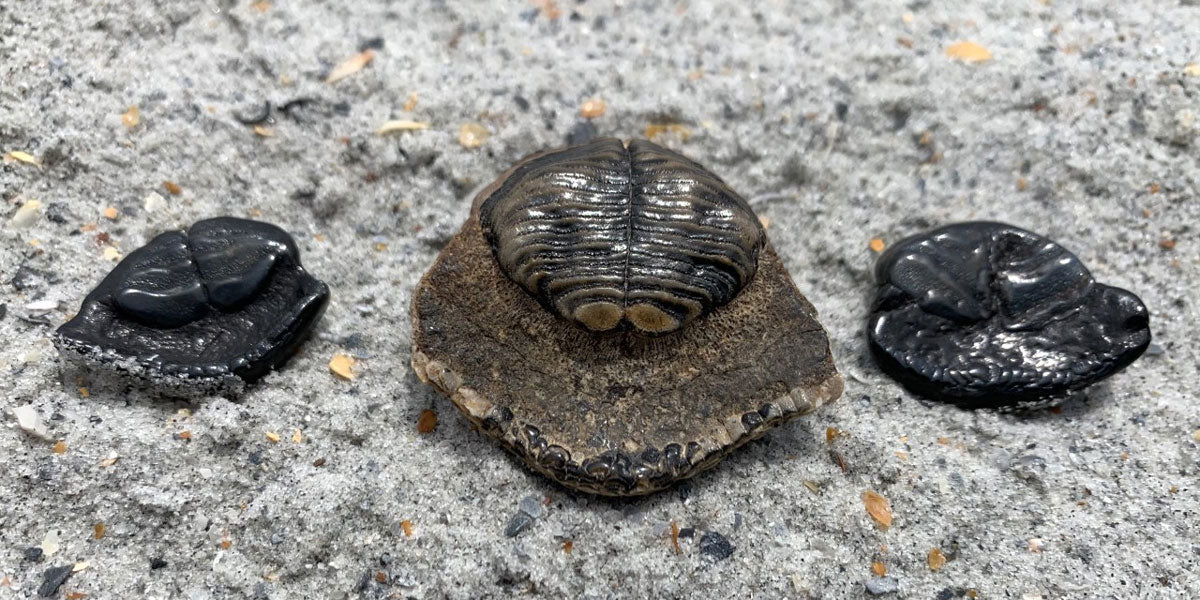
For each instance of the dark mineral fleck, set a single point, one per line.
(34, 554)
(220, 304)
(518, 523)
(716, 546)
(989, 315)
(583, 131)
(157, 563)
(53, 578)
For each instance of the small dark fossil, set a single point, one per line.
(210, 308)
(986, 315)
(614, 315)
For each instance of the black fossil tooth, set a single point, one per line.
(987, 314)
(214, 306)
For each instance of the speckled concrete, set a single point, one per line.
(841, 120)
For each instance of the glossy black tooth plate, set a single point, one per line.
(986, 314)
(220, 304)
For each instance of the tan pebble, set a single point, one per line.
(342, 365)
(350, 66)
(878, 508)
(472, 135)
(593, 108)
(130, 118)
(968, 52)
(24, 157)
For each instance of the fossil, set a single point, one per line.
(988, 315)
(206, 309)
(616, 399)
(612, 236)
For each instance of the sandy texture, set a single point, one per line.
(841, 121)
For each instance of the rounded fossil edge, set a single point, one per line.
(616, 473)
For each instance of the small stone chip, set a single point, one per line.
(98, 531)
(110, 461)
(715, 545)
(593, 108)
(131, 117)
(401, 125)
(518, 523)
(879, 568)
(878, 508)
(297, 437)
(812, 486)
(261, 131)
(351, 66)
(153, 202)
(936, 559)
(532, 506)
(969, 52)
(1192, 69)
(1196, 435)
(172, 187)
(111, 213)
(53, 578)
(882, 585)
(407, 526)
(877, 244)
(111, 254)
(427, 422)
(342, 365)
(50, 544)
(30, 421)
(272, 437)
(24, 157)
(60, 447)
(26, 215)
(472, 135)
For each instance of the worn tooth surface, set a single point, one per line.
(206, 309)
(987, 314)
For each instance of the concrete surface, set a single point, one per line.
(842, 120)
